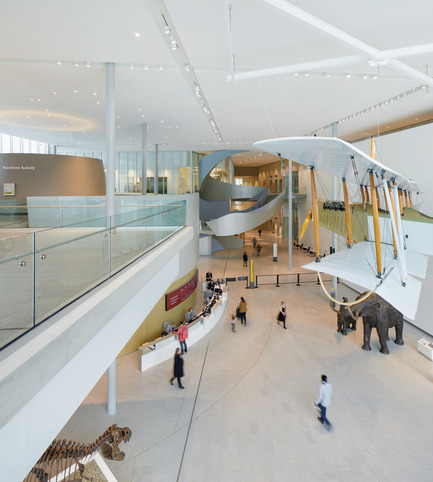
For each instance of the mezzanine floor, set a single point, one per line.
(247, 411)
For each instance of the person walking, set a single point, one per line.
(254, 242)
(243, 311)
(259, 249)
(182, 334)
(245, 258)
(233, 322)
(282, 315)
(260, 233)
(323, 401)
(178, 368)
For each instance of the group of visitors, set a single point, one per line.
(325, 390)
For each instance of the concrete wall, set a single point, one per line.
(51, 175)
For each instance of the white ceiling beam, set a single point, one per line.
(303, 67)
(348, 40)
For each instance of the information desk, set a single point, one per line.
(163, 348)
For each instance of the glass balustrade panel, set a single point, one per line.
(69, 261)
(16, 287)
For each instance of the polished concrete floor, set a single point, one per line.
(247, 411)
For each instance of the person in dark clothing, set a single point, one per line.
(245, 258)
(178, 368)
(260, 233)
(282, 315)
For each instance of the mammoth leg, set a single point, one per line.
(382, 332)
(399, 330)
(367, 335)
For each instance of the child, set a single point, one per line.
(233, 323)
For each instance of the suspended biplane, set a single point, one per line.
(388, 254)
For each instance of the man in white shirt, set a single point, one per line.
(323, 401)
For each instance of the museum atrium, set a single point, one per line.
(132, 164)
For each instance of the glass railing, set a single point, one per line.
(43, 271)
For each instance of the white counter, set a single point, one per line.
(164, 347)
(425, 347)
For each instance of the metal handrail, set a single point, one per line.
(278, 281)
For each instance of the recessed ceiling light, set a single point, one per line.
(166, 29)
(348, 76)
(146, 67)
(76, 64)
(98, 102)
(161, 67)
(88, 64)
(31, 100)
(142, 115)
(75, 91)
(59, 62)
(137, 34)
(162, 122)
(54, 93)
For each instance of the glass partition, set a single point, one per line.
(43, 271)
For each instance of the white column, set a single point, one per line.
(110, 129)
(334, 198)
(144, 160)
(111, 388)
(155, 177)
(290, 213)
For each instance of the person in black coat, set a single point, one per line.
(178, 368)
(282, 315)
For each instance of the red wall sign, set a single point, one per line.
(181, 294)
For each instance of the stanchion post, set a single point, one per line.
(298, 282)
(251, 275)
(278, 281)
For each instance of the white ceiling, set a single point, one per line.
(38, 101)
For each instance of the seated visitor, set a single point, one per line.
(189, 315)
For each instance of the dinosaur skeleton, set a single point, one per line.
(61, 455)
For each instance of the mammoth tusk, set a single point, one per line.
(350, 303)
(331, 304)
(354, 318)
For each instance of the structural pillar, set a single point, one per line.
(290, 213)
(155, 179)
(144, 155)
(110, 130)
(111, 388)
(334, 198)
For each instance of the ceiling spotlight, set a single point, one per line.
(76, 64)
(365, 76)
(59, 62)
(131, 66)
(187, 67)
(146, 67)
(137, 34)
(166, 29)
(161, 67)
(328, 75)
(88, 64)
(348, 76)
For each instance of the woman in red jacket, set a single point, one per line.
(182, 334)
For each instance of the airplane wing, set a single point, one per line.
(355, 266)
(333, 156)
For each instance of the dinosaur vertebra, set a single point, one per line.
(61, 454)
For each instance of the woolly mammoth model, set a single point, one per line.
(345, 319)
(378, 313)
